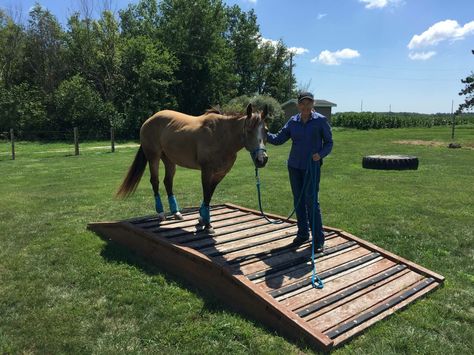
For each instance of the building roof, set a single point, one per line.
(317, 103)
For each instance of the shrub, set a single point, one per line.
(276, 114)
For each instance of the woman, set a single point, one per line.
(311, 141)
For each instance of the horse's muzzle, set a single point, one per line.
(261, 162)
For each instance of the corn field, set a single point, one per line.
(377, 120)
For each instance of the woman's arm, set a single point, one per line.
(281, 137)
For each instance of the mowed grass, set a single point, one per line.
(64, 290)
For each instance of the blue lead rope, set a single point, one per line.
(315, 279)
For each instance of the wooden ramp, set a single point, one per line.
(252, 266)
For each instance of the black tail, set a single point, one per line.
(130, 183)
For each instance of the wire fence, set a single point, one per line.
(69, 142)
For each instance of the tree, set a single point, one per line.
(148, 69)
(78, 104)
(44, 50)
(468, 91)
(243, 37)
(12, 43)
(194, 33)
(140, 19)
(273, 70)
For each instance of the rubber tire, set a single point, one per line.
(390, 162)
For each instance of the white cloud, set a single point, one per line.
(320, 16)
(252, 1)
(298, 50)
(421, 55)
(441, 31)
(334, 58)
(379, 4)
(273, 42)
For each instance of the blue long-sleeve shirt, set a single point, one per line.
(308, 138)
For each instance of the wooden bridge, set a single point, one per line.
(252, 266)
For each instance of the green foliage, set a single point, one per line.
(276, 114)
(78, 104)
(119, 70)
(22, 108)
(468, 91)
(148, 69)
(378, 120)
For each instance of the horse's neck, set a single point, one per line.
(232, 130)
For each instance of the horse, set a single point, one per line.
(209, 143)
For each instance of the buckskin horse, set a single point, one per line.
(209, 143)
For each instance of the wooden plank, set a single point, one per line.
(354, 297)
(184, 211)
(340, 314)
(250, 255)
(306, 280)
(226, 227)
(234, 232)
(294, 274)
(341, 339)
(189, 220)
(189, 225)
(275, 216)
(292, 258)
(380, 308)
(338, 284)
(235, 290)
(396, 258)
(248, 237)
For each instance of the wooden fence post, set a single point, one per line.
(112, 138)
(76, 141)
(12, 139)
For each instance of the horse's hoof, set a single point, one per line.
(178, 216)
(209, 229)
(161, 217)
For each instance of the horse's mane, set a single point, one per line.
(219, 111)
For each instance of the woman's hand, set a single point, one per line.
(316, 157)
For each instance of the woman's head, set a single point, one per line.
(305, 102)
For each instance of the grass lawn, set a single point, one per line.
(64, 290)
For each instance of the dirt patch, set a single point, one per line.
(432, 143)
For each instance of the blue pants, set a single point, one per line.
(304, 209)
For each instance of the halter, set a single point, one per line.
(254, 152)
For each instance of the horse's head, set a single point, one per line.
(255, 136)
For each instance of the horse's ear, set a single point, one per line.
(265, 112)
(249, 110)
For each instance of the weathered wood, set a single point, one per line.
(341, 339)
(76, 141)
(112, 139)
(391, 256)
(12, 140)
(235, 290)
(336, 285)
(350, 309)
(254, 268)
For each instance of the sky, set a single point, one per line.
(374, 55)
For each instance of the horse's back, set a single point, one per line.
(173, 133)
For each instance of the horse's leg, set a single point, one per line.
(209, 184)
(170, 170)
(154, 163)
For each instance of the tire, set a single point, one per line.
(390, 162)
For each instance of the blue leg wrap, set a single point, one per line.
(205, 213)
(158, 204)
(173, 204)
